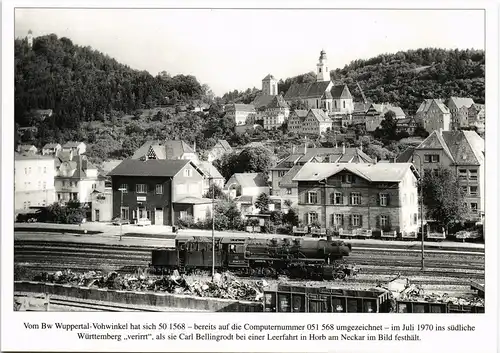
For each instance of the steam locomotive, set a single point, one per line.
(296, 258)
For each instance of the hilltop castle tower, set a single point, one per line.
(29, 38)
(269, 85)
(322, 73)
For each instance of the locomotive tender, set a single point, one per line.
(301, 258)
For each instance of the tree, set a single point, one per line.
(216, 192)
(227, 215)
(255, 160)
(443, 197)
(291, 218)
(420, 131)
(262, 202)
(387, 129)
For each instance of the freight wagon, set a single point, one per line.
(301, 299)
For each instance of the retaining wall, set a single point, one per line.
(140, 298)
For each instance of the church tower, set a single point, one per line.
(322, 73)
(29, 38)
(269, 85)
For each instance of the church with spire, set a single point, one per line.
(335, 99)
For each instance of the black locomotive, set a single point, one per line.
(296, 258)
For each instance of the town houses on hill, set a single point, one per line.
(326, 105)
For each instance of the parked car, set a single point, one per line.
(117, 221)
(467, 234)
(143, 222)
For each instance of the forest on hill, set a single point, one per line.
(81, 84)
(404, 79)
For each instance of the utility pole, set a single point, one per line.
(421, 210)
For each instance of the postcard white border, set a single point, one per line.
(15, 338)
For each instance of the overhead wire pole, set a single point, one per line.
(421, 210)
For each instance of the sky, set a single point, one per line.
(236, 49)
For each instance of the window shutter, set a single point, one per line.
(306, 218)
(361, 221)
(377, 222)
(342, 220)
(389, 221)
(350, 220)
(388, 199)
(378, 199)
(332, 219)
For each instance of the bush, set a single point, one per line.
(187, 222)
(284, 230)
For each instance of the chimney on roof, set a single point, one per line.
(343, 148)
(194, 146)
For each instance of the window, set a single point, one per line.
(337, 198)
(472, 174)
(431, 158)
(58, 197)
(141, 188)
(383, 199)
(384, 221)
(312, 217)
(344, 104)
(473, 207)
(414, 218)
(320, 69)
(183, 214)
(355, 198)
(464, 190)
(188, 173)
(124, 188)
(347, 178)
(281, 173)
(356, 220)
(462, 174)
(337, 219)
(159, 189)
(74, 196)
(312, 197)
(473, 190)
(288, 191)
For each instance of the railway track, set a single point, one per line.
(52, 256)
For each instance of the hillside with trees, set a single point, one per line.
(81, 84)
(407, 78)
